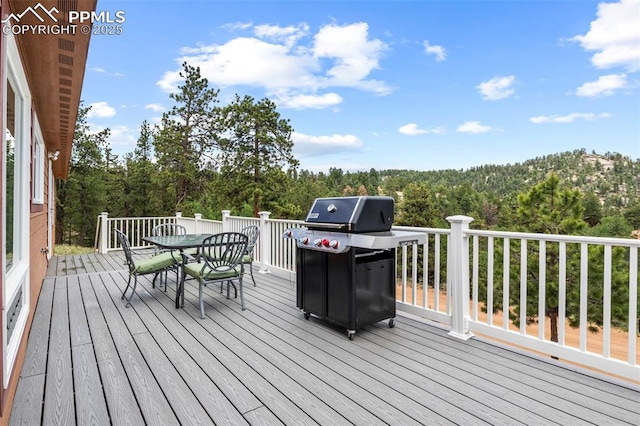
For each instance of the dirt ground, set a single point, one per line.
(618, 344)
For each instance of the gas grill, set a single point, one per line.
(345, 261)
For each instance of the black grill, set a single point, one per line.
(352, 214)
(345, 261)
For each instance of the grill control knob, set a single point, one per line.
(287, 234)
(304, 240)
(317, 242)
(334, 244)
(325, 242)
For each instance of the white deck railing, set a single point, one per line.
(443, 281)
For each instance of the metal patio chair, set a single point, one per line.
(252, 232)
(150, 265)
(219, 260)
(170, 229)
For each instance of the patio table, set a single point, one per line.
(180, 243)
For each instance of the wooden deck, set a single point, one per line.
(92, 361)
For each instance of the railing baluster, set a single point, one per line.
(425, 274)
(606, 312)
(436, 273)
(542, 289)
(562, 292)
(414, 273)
(523, 286)
(633, 303)
(584, 292)
(506, 263)
(475, 279)
(404, 275)
(489, 305)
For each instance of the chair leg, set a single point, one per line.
(201, 299)
(241, 295)
(133, 291)
(180, 288)
(251, 271)
(126, 288)
(235, 289)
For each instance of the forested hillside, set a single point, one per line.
(614, 178)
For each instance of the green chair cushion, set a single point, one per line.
(195, 270)
(155, 263)
(247, 258)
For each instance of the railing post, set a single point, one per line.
(458, 271)
(104, 233)
(198, 217)
(265, 242)
(225, 220)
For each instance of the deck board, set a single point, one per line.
(59, 406)
(90, 360)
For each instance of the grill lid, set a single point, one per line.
(352, 214)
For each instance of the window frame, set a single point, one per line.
(15, 282)
(38, 164)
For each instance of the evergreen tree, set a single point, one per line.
(82, 197)
(185, 141)
(255, 144)
(142, 193)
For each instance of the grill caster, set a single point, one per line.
(392, 322)
(351, 334)
(307, 315)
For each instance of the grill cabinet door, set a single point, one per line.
(311, 281)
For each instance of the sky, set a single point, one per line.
(421, 85)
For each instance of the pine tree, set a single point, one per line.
(255, 143)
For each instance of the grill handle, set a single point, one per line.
(324, 225)
(372, 253)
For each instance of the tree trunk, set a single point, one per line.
(553, 318)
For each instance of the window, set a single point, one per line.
(37, 166)
(16, 147)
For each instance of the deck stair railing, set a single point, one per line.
(462, 278)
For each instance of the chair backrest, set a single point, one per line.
(126, 247)
(224, 251)
(252, 232)
(168, 229)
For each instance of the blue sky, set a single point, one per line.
(422, 85)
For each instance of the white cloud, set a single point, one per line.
(473, 127)
(569, 118)
(311, 146)
(615, 36)
(355, 56)
(101, 109)
(412, 129)
(289, 62)
(309, 101)
(238, 25)
(289, 35)
(438, 51)
(497, 88)
(605, 85)
(155, 107)
(103, 71)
